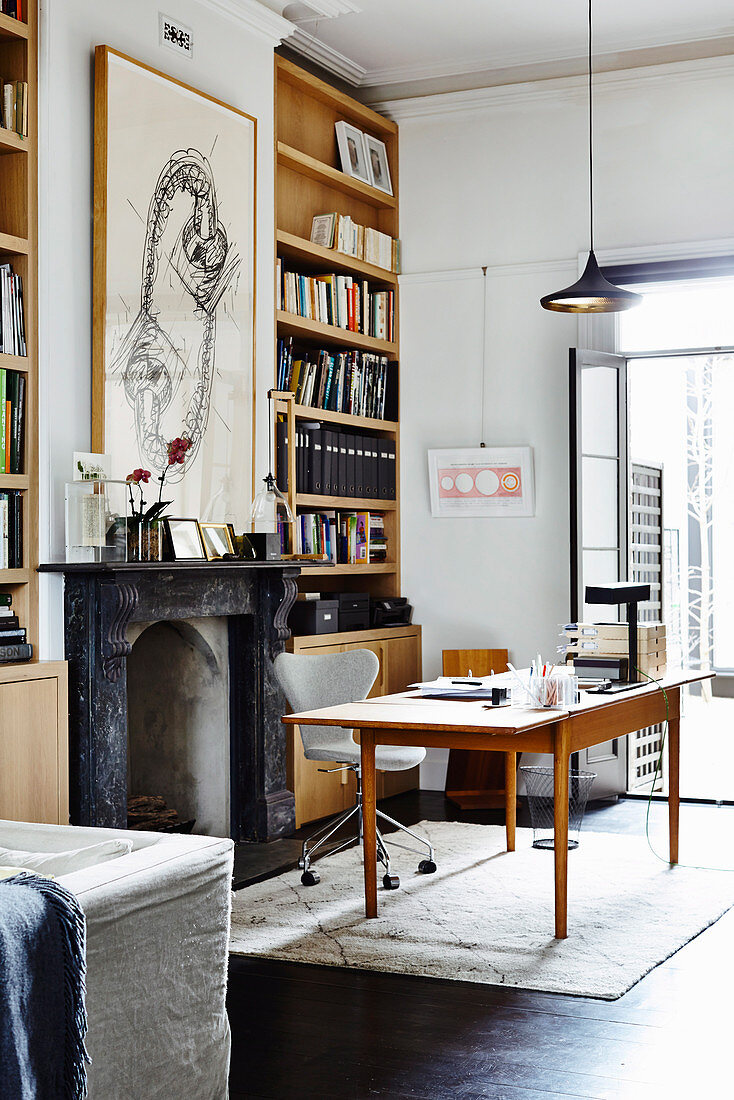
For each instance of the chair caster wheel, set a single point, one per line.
(427, 867)
(301, 863)
(391, 882)
(310, 878)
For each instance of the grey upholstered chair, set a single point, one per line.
(323, 681)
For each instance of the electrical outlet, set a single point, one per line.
(175, 35)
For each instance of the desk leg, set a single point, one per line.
(673, 771)
(369, 822)
(561, 756)
(510, 798)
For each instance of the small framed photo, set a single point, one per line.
(352, 151)
(217, 539)
(184, 539)
(377, 163)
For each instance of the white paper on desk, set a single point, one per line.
(479, 687)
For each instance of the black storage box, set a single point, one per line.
(354, 610)
(314, 617)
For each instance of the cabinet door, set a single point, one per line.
(30, 761)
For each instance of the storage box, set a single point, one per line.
(354, 610)
(314, 617)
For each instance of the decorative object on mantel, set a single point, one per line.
(96, 520)
(174, 232)
(184, 539)
(218, 540)
(592, 293)
(145, 539)
(271, 513)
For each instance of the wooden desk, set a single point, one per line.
(409, 720)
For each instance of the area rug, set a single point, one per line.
(486, 915)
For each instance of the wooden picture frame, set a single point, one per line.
(217, 540)
(183, 539)
(174, 282)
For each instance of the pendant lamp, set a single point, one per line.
(592, 293)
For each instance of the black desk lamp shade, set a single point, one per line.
(631, 594)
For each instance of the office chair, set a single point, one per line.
(323, 681)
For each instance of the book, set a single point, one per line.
(341, 301)
(20, 652)
(322, 230)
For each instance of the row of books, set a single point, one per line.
(338, 464)
(12, 319)
(11, 529)
(346, 538)
(14, 106)
(13, 644)
(359, 383)
(339, 232)
(338, 300)
(12, 424)
(13, 8)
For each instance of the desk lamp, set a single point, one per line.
(617, 593)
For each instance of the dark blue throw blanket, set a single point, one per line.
(43, 1018)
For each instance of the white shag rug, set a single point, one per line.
(486, 915)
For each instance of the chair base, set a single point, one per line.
(322, 835)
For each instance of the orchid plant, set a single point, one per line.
(177, 450)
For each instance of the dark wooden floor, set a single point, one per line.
(314, 1032)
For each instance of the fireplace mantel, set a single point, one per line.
(99, 602)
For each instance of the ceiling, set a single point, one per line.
(410, 47)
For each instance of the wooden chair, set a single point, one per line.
(475, 780)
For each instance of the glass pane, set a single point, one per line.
(600, 567)
(599, 411)
(599, 502)
(700, 315)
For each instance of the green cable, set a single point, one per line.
(658, 771)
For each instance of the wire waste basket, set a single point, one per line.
(539, 787)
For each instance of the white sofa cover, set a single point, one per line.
(157, 950)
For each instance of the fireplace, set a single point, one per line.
(201, 606)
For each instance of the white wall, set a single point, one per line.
(232, 62)
(504, 184)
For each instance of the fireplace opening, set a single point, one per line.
(178, 723)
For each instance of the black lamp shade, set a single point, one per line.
(591, 294)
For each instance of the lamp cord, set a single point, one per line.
(658, 771)
(484, 346)
(591, 147)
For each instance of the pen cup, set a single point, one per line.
(556, 692)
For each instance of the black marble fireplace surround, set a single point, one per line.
(100, 601)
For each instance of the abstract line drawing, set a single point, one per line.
(147, 364)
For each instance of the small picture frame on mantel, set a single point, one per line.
(183, 539)
(217, 539)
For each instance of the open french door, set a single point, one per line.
(599, 466)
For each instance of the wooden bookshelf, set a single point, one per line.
(309, 181)
(19, 246)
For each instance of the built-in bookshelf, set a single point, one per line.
(310, 183)
(18, 255)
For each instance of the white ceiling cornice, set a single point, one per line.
(328, 8)
(253, 15)
(406, 73)
(573, 87)
(331, 60)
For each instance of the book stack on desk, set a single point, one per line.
(599, 650)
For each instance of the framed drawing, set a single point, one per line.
(377, 164)
(352, 152)
(174, 284)
(482, 481)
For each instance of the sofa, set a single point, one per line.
(157, 949)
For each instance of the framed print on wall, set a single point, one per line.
(174, 285)
(482, 481)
